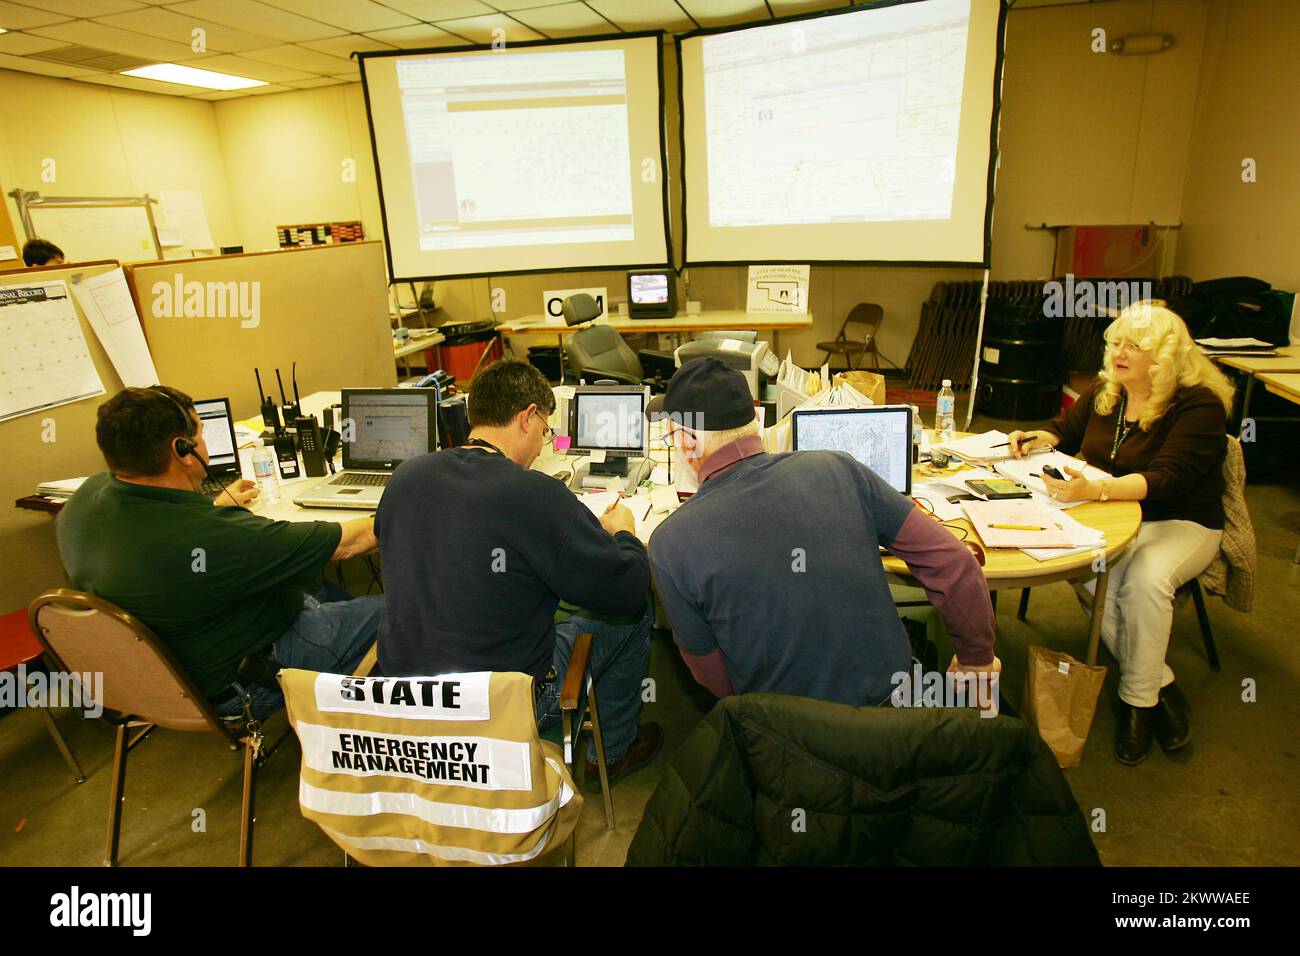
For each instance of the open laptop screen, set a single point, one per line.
(388, 425)
(880, 438)
(218, 434)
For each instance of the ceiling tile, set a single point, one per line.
(344, 46)
(724, 13)
(21, 44)
(510, 6)
(479, 29)
(300, 58)
(265, 20)
(433, 10)
(25, 65)
(103, 37)
(416, 37)
(83, 8)
(643, 14)
(253, 69)
(15, 17)
(353, 15)
(787, 8)
(565, 20)
(312, 84)
(179, 28)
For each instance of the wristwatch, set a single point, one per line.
(1105, 495)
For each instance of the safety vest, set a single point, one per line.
(435, 771)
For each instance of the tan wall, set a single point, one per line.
(110, 142)
(1246, 108)
(1092, 138)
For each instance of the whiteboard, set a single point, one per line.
(90, 233)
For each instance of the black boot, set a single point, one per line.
(1173, 723)
(1134, 733)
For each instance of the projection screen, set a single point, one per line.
(866, 135)
(536, 157)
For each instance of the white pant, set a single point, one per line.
(1140, 601)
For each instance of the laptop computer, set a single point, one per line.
(219, 436)
(381, 428)
(880, 437)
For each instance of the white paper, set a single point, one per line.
(7, 253)
(780, 289)
(1028, 471)
(1082, 537)
(598, 502)
(170, 237)
(659, 475)
(639, 506)
(1245, 343)
(107, 303)
(597, 456)
(44, 358)
(664, 498)
(183, 210)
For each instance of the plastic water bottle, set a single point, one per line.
(268, 484)
(918, 432)
(944, 406)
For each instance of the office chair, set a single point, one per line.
(600, 352)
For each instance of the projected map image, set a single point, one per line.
(503, 150)
(852, 118)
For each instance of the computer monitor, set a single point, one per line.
(651, 294)
(609, 418)
(387, 426)
(880, 437)
(219, 435)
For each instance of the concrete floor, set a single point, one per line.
(1226, 800)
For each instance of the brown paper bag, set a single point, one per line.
(869, 384)
(1060, 700)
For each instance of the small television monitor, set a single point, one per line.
(651, 294)
(879, 437)
(609, 418)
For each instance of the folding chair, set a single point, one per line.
(144, 687)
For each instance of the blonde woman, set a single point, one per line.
(1156, 419)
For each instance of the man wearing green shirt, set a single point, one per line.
(214, 581)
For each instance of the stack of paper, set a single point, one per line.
(64, 488)
(1082, 539)
(1016, 523)
(985, 448)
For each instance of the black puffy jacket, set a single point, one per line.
(768, 779)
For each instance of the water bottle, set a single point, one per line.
(918, 432)
(268, 485)
(943, 413)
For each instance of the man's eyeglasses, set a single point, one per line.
(548, 432)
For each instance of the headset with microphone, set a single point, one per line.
(187, 447)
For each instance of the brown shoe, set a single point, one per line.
(649, 738)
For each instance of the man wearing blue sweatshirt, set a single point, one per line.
(479, 552)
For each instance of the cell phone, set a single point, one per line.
(995, 489)
(1051, 470)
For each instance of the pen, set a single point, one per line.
(1017, 527)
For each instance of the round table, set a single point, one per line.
(1009, 569)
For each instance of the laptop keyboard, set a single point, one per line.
(361, 478)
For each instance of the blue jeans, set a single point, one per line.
(331, 635)
(620, 655)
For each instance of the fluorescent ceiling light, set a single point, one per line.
(189, 76)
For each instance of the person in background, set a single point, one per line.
(39, 253)
(1156, 420)
(771, 572)
(217, 583)
(479, 552)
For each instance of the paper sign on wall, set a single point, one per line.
(183, 209)
(779, 289)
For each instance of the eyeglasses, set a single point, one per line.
(548, 432)
(1126, 345)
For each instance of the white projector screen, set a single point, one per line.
(857, 136)
(537, 157)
